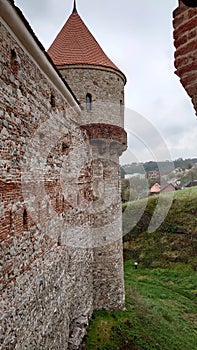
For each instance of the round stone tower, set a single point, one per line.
(99, 87)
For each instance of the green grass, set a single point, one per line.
(174, 240)
(161, 295)
(161, 312)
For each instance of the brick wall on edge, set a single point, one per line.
(46, 285)
(185, 41)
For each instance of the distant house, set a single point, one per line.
(168, 188)
(191, 184)
(156, 188)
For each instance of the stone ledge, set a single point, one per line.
(106, 131)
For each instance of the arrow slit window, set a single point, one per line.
(88, 102)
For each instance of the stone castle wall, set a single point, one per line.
(106, 88)
(60, 201)
(185, 41)
(46, 286)
(104, 123)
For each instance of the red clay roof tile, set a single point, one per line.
(76, 45)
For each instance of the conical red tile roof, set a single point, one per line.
(76, 45)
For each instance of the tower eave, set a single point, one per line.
(92, 66)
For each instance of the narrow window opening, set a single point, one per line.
(25, 220)
(13, 55)
(14, 62)
(88, 102)
(121, 106)
(65, 146)
(21, 87)
(59, 241)
(52, 100)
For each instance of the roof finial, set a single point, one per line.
(74, 7)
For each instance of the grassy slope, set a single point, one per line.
(161, 295)
(176, 238)
(160, 312)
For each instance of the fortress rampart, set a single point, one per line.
(60, 211)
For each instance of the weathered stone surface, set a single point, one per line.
(60, 211)
(107, 90)
(104, 124)
(44, 286)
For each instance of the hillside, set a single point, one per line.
(161, 294)
(160, 312)
(176, 238)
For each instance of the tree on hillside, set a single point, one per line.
(134, 188)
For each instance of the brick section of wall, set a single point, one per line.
(60, 210)
(46, 284)
(113, 134)
(185, 41)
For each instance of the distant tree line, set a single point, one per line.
(162, 166)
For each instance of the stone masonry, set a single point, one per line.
(60, 209)
(104, 123)
(107, 89)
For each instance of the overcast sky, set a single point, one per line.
(137, 36)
